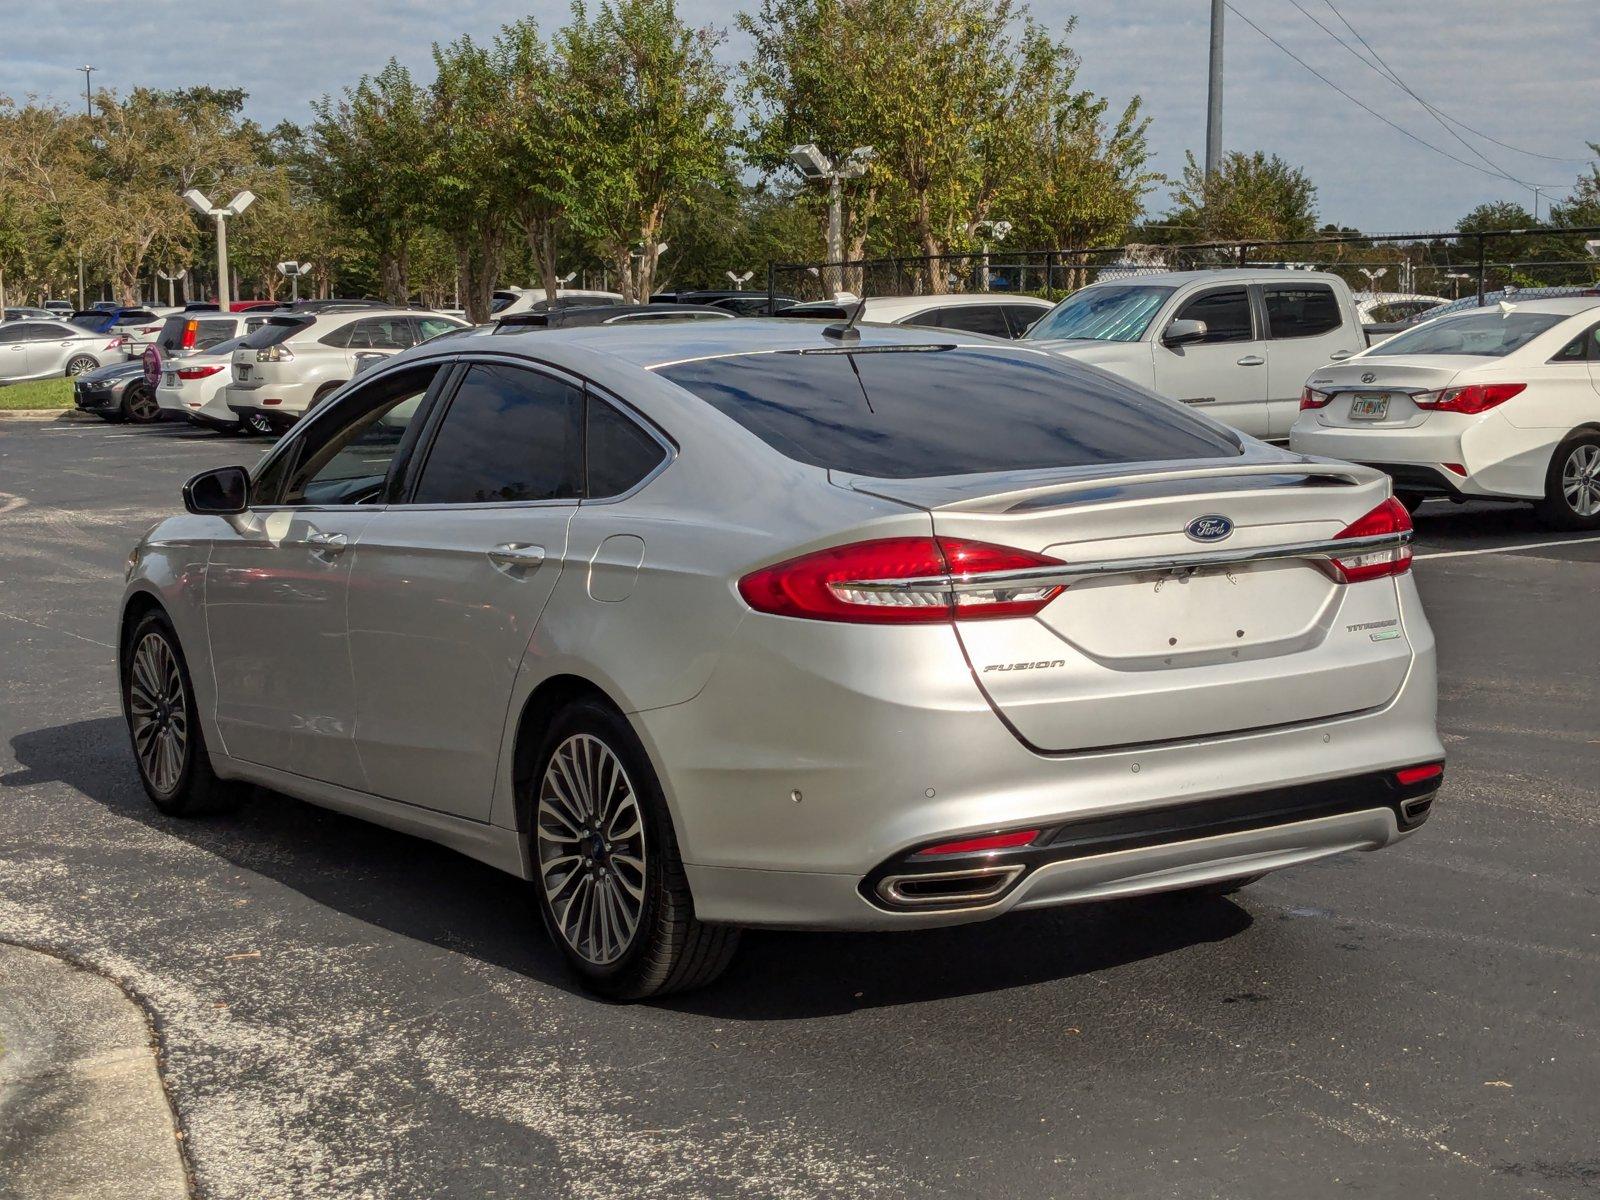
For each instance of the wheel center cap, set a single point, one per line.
(594, 848)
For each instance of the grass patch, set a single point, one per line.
(37, 393)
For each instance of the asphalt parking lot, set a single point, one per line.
(346, 1011)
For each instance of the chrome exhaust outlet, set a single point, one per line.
(948, 889)
(1415, 810)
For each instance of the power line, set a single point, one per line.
(1366, 107)
(1438, 112)
(1387, 73)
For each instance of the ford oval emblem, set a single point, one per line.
(1209, 529)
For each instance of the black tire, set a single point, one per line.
(139, 404)
(257, 424)
(1572, 484)
(1411, 500)
(192, 788)
(78, 364)
(668, 950)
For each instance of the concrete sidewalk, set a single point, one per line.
(82, 1109)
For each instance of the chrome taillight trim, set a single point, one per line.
(1154, 564)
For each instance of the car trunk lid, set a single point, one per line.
(1377, 392)
(1175, 633)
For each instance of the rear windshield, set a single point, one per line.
(1487, 333)
(906, 414)
(1107, 312)
(208, 332)
(275, 330)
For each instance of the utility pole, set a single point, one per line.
(1214, 94)
(88, 111)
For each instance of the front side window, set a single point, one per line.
(1106, 312)
(431, 327)
(930, 411)
(1226, 314)
(510, 434)
(349, 463)
(1483, 333)
(1296, 312)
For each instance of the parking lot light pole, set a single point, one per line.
(172, 278)
(816, 167)
(293, 271)
(196, 199)
(88, 111)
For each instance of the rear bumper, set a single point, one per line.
(1502, 460)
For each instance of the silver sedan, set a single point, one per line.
(47, 349)
(755, 622)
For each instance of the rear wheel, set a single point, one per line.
(609, 881)
(168, 745)
(139, 404)
(1572, 485)
(78, 364)
(257, 423)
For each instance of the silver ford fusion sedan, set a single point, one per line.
(760, 623)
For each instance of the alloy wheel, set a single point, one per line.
(158, 713)
(81, 364)
(1580, 480)
(142, 406)
(591, 846)
(258, 423)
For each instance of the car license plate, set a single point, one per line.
(169, 379)
(1369, 406)
(241, 373)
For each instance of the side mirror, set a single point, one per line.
(1181, 333)
(218, 493)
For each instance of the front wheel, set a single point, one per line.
(609, 881)
(257, 423)
(139, 404)
(1572, 485)
(168, 745)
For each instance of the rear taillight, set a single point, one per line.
(1311, 398)
(1479, 397)
(116, 343)
(1389, 517)
(191, 331)
(197, 372)
(833, 584)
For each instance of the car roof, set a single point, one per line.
(1565, 306)
(881, 308)
(1223, 275)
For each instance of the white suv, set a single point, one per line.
(296, 360)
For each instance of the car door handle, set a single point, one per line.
(1252, 360)
(516, 556)
(1340, 355)
(327, 545)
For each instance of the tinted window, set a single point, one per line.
(1574, 351)
(433, 326)
(969, 318)
(340, 337)
(904, 414)
(1487, 333)
(12, 333)
(619, 452)
(1301, 311)
(1022, 316)
(509, 435)
(135, 317)
(275, 330)
(40, 331)
(213, 333)
(1107, 312)
(1226, 314)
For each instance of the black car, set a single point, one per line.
(117, 393)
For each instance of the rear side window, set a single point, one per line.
(927, 412)
(1226, 314)
(1294, 312)
(969, 318)
(509, 434)
(619, 453)
(381, 333)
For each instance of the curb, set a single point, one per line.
(83, 1108)
(45, 414)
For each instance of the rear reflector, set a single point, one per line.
(1389, 517)
(1406, 776)
(1456, 468)
(830, 585)
(274, 400)
(995, 841)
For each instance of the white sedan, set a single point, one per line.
(1498, 403)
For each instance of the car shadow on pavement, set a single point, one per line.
(424, 892)
(1447, 526)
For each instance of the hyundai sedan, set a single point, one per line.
(760, 623)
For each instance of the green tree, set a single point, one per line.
(369, 164)
(1252, 198)
(649, 121)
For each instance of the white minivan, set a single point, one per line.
(1238, 344)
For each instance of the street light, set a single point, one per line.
(1457, 277)
(1373, 276)
(739, 280)
(998, 230)
(172, 278)
(816, 167)
(196, 199)
(293, 271)
(88, 111)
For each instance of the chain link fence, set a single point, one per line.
(1447, 265)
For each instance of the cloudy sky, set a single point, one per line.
(1527, 74)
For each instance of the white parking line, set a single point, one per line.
(1508, 549)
